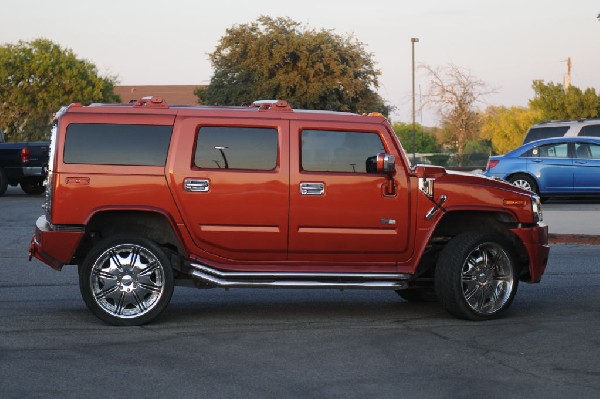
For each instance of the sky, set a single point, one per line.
(505, 43)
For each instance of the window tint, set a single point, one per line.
(590, 130)
(587, 151)
(537, 133)
(108, 144)
(236, 148)
(559, 150)
(337, 151)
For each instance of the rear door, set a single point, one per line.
(587, 168)
(230, 178)
(552, 165)
(339, 210)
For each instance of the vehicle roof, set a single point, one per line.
(567, 123)
(552, 140)
(267, 109)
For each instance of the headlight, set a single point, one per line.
(536, 208)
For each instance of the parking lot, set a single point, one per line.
(296, 343)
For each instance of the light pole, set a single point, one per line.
(414, 40)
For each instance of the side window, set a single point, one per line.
(594, 151)
(227, 147)
(559, 150)
(590, 130)
(110, 144)
(339, 151)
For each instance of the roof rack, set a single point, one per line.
(272, 105)
(151, 102)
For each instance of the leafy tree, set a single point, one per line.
(506, 127)
(455, 93)
(276, 58)
(555, 103)
(425, 141)
(36, 79)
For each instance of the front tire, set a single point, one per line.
(126, 280)
(475, 276)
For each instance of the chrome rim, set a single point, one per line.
(523, 184)
(127, 281)
(487, 278)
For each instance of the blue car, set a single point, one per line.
(561, 166)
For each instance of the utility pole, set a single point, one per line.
(567, 78)
(414, 40)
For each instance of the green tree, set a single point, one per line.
(506, 127)
(36, 79)
(276, 58)
(425, 141)
(555, 103)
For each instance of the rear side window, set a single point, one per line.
(590, 130)
(538, 133)
(560, 150)
(109, 144)
(227, 147)
(339, 151)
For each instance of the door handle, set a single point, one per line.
(196, 185)
(312, 188)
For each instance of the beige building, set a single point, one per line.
(172, 94)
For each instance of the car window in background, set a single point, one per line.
(558, 150)
(590, 130)
(547, 132)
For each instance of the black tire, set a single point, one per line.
(421, 294)
(475, 276)
(524, 181)
(33, 186)
(3, 182)
(126, 280)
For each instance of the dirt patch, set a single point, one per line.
(574, 239)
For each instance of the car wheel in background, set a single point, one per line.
(524, 181)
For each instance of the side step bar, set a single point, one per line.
(224, 279)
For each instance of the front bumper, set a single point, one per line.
(535, 241)
(55, 247)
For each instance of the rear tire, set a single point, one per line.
(33, 186)
(126, 280)
(3, 182)
(475, 276)
(524, 181)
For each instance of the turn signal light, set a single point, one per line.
(509, 202)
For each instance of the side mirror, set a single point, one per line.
(386, 163)
(429, 172)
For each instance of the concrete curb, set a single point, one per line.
(587, 239)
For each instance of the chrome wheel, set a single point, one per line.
(126, 280)
(475, 275)
(487, 278)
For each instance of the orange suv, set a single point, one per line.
(144, 196)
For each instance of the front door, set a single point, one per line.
(340, 212)
(231, 182)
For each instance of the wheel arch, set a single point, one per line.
(151, 224)
(453, 223)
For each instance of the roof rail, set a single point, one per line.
(151, 102)
(272, 105)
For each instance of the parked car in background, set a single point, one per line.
(580, 127)
(25, 164)
(563, 166)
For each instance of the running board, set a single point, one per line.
(375, 281)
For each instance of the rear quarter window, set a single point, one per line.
(111, 144)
